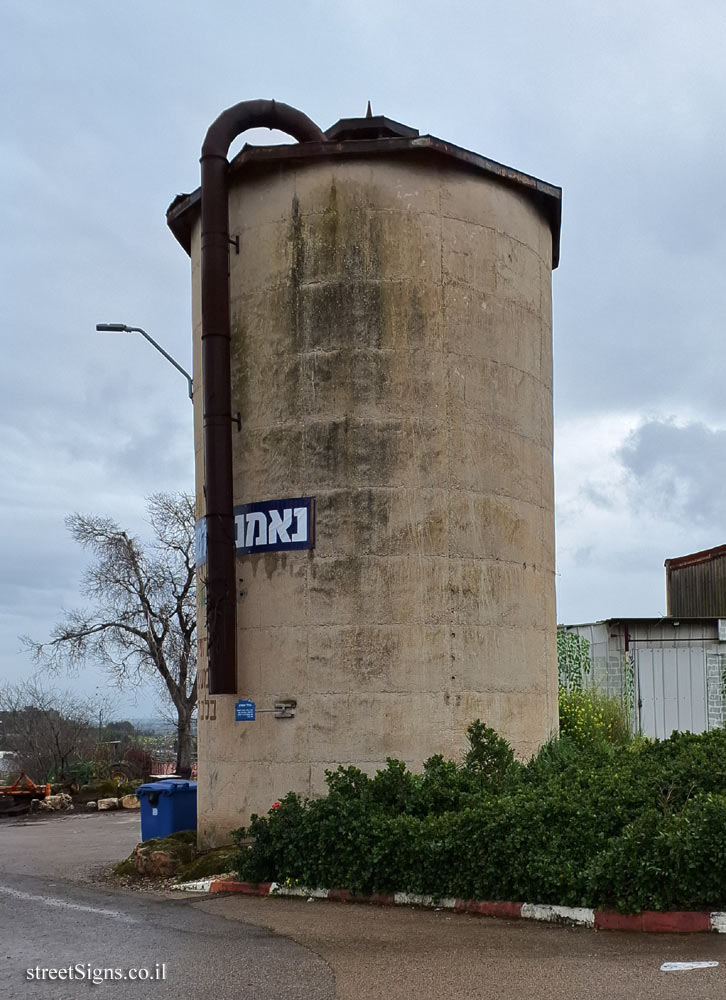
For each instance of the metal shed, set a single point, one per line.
(670, 672)
(696, 583)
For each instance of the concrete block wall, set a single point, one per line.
(715, 667)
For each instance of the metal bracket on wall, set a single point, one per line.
(237, 420)
(285, 709)
(234, 240)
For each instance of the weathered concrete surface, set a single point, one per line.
(391, 356)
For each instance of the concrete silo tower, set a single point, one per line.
(389, 356)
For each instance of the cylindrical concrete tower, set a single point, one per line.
(392, 366)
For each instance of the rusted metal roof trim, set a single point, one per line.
(705, 555)
(547, 196)
(179, 217)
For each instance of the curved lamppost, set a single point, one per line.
(122, 328)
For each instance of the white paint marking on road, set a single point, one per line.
(580, 915)
(686, 966)
(64, 904)
(718, 922)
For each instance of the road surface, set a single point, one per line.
(52, 917)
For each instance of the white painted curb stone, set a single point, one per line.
(297, 890)
(201, 885)
(579, 915)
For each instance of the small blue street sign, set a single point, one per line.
(244, 710)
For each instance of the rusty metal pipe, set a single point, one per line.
(221, 580)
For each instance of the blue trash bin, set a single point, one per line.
(167, 807)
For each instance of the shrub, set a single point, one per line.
(584, 823)
(489, 757)
(589, 715)
(665, 861)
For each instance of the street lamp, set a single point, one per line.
(122, 328)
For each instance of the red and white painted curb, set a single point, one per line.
(671, 922)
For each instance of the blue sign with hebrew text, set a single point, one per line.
(266, 526)
(244, 710)
(275, 525)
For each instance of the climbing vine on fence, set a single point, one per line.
(629, 682)
(573, 659)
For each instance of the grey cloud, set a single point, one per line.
(679, 471)
(596, 496)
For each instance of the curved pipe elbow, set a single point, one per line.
(258, 114)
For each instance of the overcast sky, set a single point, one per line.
(104, 110)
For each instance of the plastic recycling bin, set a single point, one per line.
(167, 807)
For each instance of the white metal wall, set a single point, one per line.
(671, 690)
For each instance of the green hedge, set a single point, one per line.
(636, 826)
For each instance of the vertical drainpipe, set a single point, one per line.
(221, 579)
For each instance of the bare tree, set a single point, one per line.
(141, 620)
(46, 728)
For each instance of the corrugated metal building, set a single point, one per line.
(669, 672)
(696, 584)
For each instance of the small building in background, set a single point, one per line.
(669, 672)
(696, 584)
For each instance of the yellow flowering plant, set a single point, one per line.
(586, 716)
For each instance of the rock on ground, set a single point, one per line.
(162, 857)
(107, 804)
(56, 803)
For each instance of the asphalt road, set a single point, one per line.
(233, 946)
(50, 919)
(71, 846)
(394, 953)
